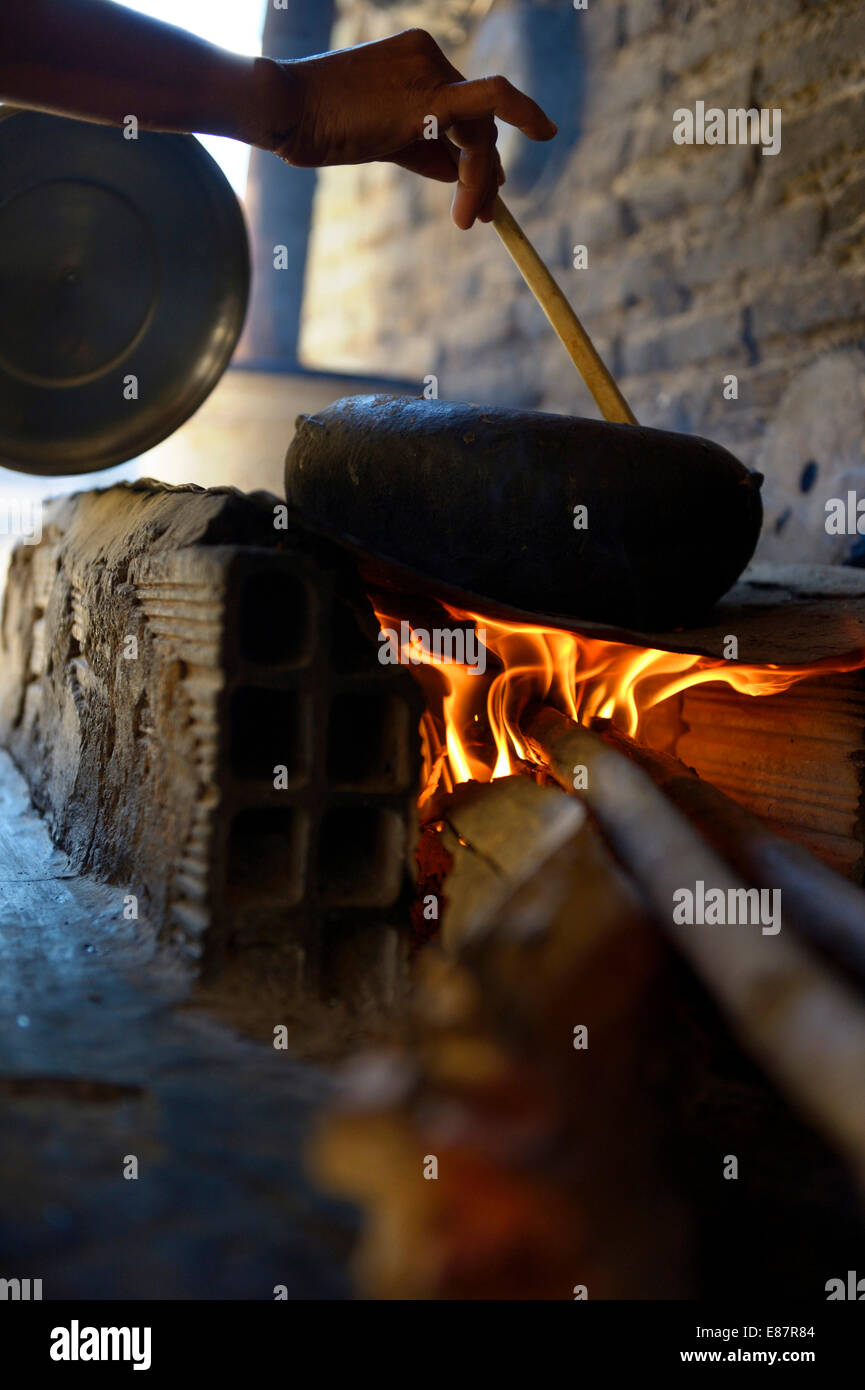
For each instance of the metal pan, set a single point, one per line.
(124, 277)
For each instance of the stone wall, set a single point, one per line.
(703, 261)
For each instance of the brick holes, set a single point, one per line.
(268, 728)
(274, 620)
(360, 857)
(367, 742)
(266, 856)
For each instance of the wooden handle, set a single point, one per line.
(573, 336)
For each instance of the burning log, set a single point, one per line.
(802, 1021)
(498, 836)
(730, 719)
(793, 758)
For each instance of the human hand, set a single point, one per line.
(373, 102)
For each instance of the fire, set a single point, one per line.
(471, 729)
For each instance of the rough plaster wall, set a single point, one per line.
(703, 261)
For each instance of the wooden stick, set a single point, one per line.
(573, 336)
(801, 1020)
(571, 333)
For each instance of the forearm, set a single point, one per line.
(102, 62)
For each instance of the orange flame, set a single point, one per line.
(471, 732)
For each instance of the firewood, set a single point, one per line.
(824, 907)
(798, 1017)
(530, 1083)
(793, 758)
(557, 1165)
(498, 835)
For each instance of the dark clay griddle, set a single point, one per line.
(117, 258)
(782, 615)
(480, 501)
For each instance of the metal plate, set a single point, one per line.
(119, 259)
